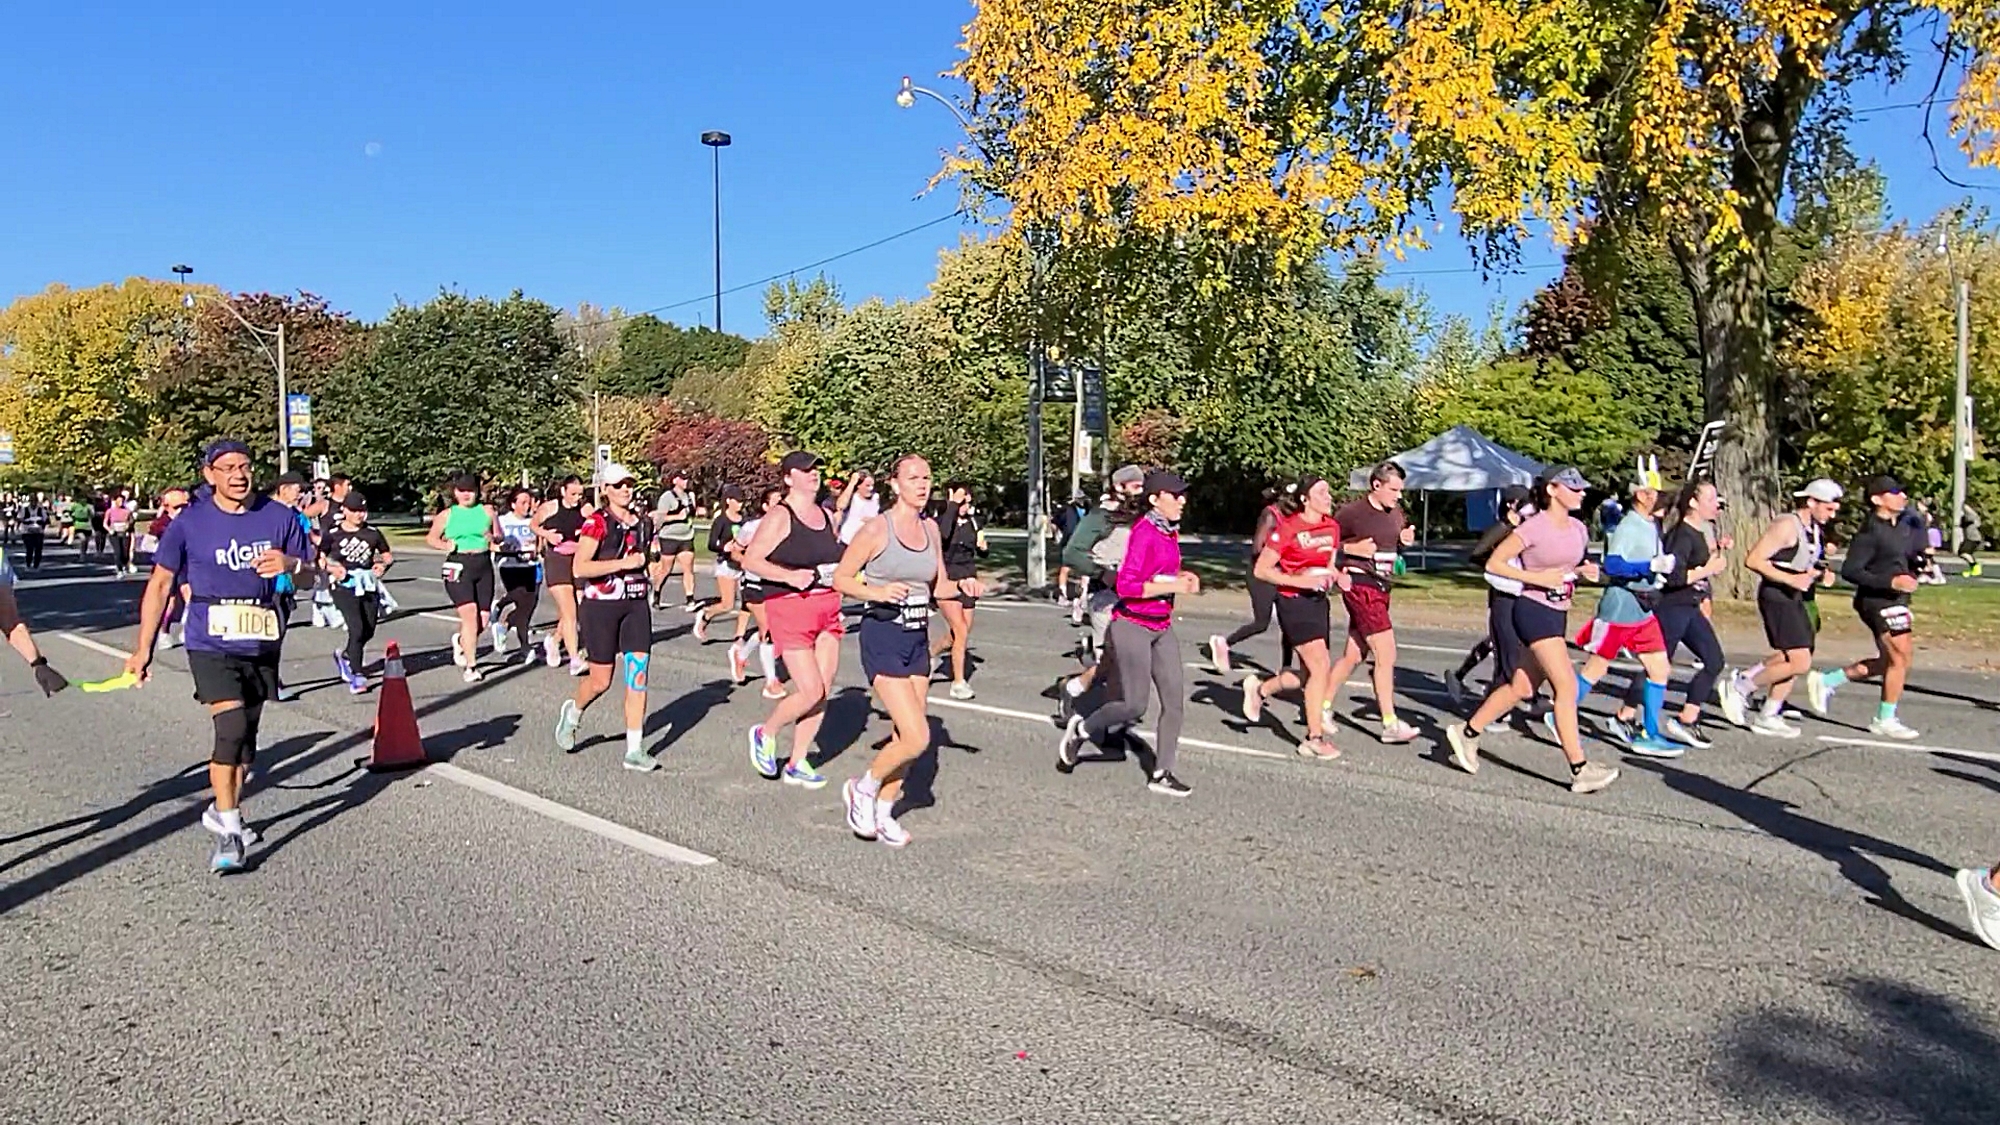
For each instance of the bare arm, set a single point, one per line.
(867, 543)
(15, 628)
(1781, 536)
(435, 539)
(777, 524)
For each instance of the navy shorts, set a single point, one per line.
(1534, 621)
(889, 648)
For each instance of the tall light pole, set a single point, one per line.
(717, 140)
(1041, 251)
(277, 359)
(1961, 401)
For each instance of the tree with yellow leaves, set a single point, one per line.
(1293, 127)
(76, 371)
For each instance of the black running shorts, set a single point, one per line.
(610, 626)
(1787, 623)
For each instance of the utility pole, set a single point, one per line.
(284, 415)
(1961, 417)
(717, 140)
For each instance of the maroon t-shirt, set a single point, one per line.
(1360, 519)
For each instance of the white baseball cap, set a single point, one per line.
(1822, 490)
(614, 473)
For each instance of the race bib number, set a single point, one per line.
(824, 575)
(227, 622)
(914, 615)
(453, 571)
(1897, 619)
(1385, 564)
(1561, 595)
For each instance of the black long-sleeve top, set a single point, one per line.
(1879, 554)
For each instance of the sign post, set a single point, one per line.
(298, 422)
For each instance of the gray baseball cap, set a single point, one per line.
(1128, 476)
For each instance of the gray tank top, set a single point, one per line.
(1806, 554)
(915, 568)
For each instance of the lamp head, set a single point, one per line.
(904, 96)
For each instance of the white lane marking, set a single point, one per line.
(575, 818)
(1043, 720)
(93, 646)
(1910, 747)
(440, 616)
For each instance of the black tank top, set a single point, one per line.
(566, 522)
(806, 548)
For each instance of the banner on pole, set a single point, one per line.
(298, 421)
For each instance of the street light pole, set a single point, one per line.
(277, 360)
(1961, 399)
(716, 140)
(284, 426)
(1041, 251)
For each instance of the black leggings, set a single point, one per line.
(31, 547)
(359, 611)
(1263, 598)
(523, 593)
(121, 550)
(1685, 625)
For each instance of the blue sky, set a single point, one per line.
(373, 152)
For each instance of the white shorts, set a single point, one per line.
(724, 570)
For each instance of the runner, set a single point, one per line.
(1982, 903)
(675, 517)
(558, 521)
(34, 531)
(895, 568)
(1297, 560)
(753, 602)
(1789, 561)
(1970, 538)
(1546, 556)
(723, 548)
(15, 628)
(1141, 638)
(1880, 565)
(464, 531)
(173, 502)
(1372, 529)
(229, 548)
(612, 568)
(520, 574)
(1263, 595)
(858, 504)
(290, 491)
(118, 517)
(1682, 592)
(356, 556)
(1624, 621)
(964, 545)
(1066, 519)
(328, 516)
(1517, 504)
(795, 552)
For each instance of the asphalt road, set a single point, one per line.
(1763, 931)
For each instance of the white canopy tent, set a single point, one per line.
(1460, 459)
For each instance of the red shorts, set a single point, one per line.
(798, 620)
(1602, 638)
(1367, 610)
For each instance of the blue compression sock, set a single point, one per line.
(1583, 688)
(1654, 698)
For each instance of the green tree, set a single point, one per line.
(458, 384)
(1553, 414)
(653, 354)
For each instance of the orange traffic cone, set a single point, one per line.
(398, 746)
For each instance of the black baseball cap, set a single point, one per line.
(354, 501)
(1882, 485)
(1164, 480)
(217, 450)
(1515, 496)
(294, 477)
(798, 460)
(732, 492)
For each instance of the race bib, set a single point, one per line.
(148, 544)
(242, 622)
(825, 573)
(453, 570)
(1898, 619)
(1385, 563)
(914, 614)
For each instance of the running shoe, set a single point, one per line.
(887, 830)
(1892, 727)
(577, 666)
(773, 690)
(763, 753)
(552, 650)
(1167, 785)
(1735, 699)
(1549, 725)
(1619, 730)
(738, 665)
(1398, 732)
(472, 675)
(1818, 695)
(499, 634)
(1319, 749)
(701, 628)
(1218, 653)
(1072, 741)
(458, 650)
(1771, 726)
(287, 694)
(228, 855)
(1076, 610)
(640, 761)
(803, 774)
(691, 606)
(212, 820)
(531, 655)
(173, 639)
(1253, 698)
(1981, 904)
(860, 810)
(357, 684)
(568, 718)
(1646, 746)
(1592, 777)
(1454, 689)
(342, 668)
(1464, 747)
(1686, 733)
(961, 690)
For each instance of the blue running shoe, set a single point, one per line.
(804, 774)
(763, 753)
(567, 720)
(228, 854)
(1646, 746)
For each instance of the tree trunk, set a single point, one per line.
(1730, 285)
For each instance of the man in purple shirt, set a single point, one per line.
(229, 548)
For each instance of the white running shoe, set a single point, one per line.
(1681, 732)
(472, 675)
(1398, 732)
(1218, 652)
(499, 632)
(577, 667)
(1253, 698)
(552, 650)
(458, 650)
(1981, 904)
(961, 690)
(887, 830)
(1734, 699)
(860, 810)
(1771, 726)
(1818, 695)
(1892, 727)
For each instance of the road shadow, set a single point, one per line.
(686, 711)
(846, 718)
(1853, 853)
(1888, 1052)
